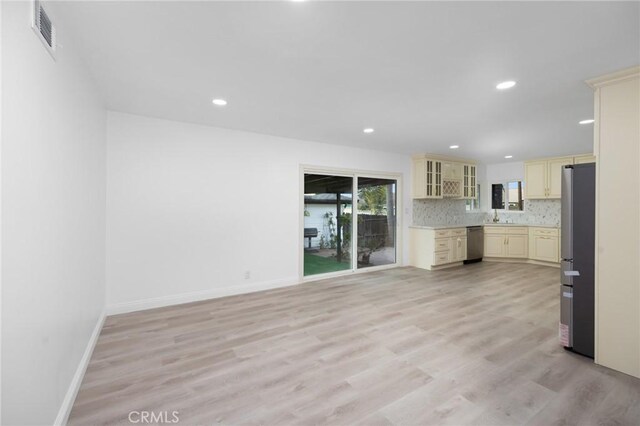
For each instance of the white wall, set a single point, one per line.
(53, 219)
(191, 208)
(1, 32)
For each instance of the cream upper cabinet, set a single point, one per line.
(555, 167)
(427, 178)
(457, 171)
(440, 177)
(451, 170)
(451, 179)
(469, 185)
(582, 159)
(543, 178)
(434, 178)
(535, 179)
(419, 185)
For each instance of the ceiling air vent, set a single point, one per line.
(43, 27)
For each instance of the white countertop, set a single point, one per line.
(449, 226)
(442, 226)
(532, 225)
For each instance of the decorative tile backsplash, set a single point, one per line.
(441, 212)
(453, 212)
(536, 212)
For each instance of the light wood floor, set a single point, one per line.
(469, 345)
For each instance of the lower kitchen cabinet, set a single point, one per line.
(544, 244)
(437, 247)
(517, 246)
(494, 245)
(458, 248)
(506, 241)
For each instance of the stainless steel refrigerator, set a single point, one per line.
(577, 253)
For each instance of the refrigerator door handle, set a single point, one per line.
(566, 214)
(566, 272)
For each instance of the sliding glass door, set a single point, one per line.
(333, 241)
(328, 208)
(376, 221)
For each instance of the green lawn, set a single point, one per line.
(314, 264)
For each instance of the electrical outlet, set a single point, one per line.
(247, 275)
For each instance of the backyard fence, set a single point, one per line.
(374, 228)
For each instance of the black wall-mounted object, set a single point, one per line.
(497, 196)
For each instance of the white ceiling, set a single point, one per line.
(423, 74)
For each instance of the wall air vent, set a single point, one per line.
(43, 27)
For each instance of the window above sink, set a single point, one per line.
(508, 196)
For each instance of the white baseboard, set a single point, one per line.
(74, 387)
(196, 296)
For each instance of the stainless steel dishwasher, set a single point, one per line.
(475, 244)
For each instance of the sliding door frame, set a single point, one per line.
(354, 174)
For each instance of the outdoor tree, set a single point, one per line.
(373, 199)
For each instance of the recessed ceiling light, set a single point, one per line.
(506, 85)
(454, 147)
(587, 121)
(219, 102)
(508, 156)
(368, 130)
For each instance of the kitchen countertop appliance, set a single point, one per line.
(475, 244)
(577, 309)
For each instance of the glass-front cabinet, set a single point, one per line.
(469, 181)
(427, 178)
(432, 173)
